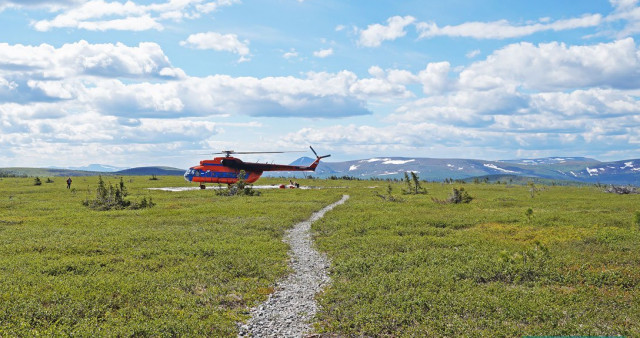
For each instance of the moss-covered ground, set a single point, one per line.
(193, 264)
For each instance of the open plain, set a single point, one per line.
(196, 263)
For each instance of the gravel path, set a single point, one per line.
(289, 309)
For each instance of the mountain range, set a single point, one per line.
(565, 169)
(572, 169)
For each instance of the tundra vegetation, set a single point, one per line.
(196, 262)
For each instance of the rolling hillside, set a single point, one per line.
(570, 169)
(576, 169)
(55, 172)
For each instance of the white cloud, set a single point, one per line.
(473, 53)
(290, 54)
(101, 15)
(550, 66)
(375, 34)
(323, 53)
(435, 78)
(626, 11)
(502, 29)
(85, 59)
(218, 42)
(525, 99)
(49, 4)
(623, 5)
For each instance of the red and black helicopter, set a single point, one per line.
(226, 169)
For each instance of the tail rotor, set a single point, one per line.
(318, 157)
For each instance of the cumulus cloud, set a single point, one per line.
(140, 82)
(104, 15)
(521, 98)
(147, 60)
(218, 42)
(323, 53)
(375, 34)
(502, 29)
(556, 66)
(530, 135)
(435, 78)
(317, 95)
(525, 99)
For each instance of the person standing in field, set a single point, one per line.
(69, 183)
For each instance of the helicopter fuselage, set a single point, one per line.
(225, 170)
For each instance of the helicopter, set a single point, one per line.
(226, 169)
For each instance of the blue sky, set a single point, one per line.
(161, 82)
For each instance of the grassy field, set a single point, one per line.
(194, 263)
(484, 268)
(189, 266)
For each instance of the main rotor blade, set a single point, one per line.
(257, 152)
(267, 152)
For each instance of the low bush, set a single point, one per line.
(413, 185)
(110, 197)
(240, 188)
(457, 196)
(389, 196)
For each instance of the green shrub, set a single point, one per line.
(457, 196)
(636, 219)
(110, 197)
(36, 181)
(239, 188)
(529, 214)
(413, 185)
(389, 196)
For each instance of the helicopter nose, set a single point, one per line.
(188, 176)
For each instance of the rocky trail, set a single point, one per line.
(291, 307)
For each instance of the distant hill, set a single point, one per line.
(551, 169)
(94, 167)
(568, 169)
(552, 160)
(45, 172)
(141, 171)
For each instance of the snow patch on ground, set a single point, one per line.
(574, 174)
(493, 166)
(450, 165)
(389, 173)
(592, 171)
(353, 167)
(374, 160)
(627, 165)
(390, 161)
